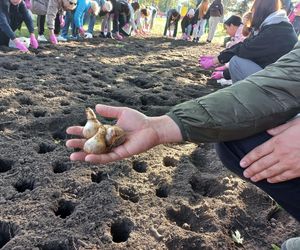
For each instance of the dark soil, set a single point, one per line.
(176, 196)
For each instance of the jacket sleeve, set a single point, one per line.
(264, 100)
(4, 25)
(26, 17)
(52, 11)
(79, 13)
(252, 48)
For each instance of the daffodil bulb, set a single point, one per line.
(115, 136)
(92, 125)
(96, 144)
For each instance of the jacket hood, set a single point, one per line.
(275, 17)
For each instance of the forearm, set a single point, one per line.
(166, 129)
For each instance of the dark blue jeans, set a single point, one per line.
(286, 194)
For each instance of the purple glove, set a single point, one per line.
(53, 39)
(217, 75)
(81, 31)
(207, 63)
(204, 57)
(62, 21)
(118, 37)
(19, 45)
(28, 4)
(33, 42)
(221, 68)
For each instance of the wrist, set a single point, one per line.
(166, 129)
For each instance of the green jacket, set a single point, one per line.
(261, 101)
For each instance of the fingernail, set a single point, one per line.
(246, 174)
(243, 164)
(254, 179)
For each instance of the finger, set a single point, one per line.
(260, 165)
(109, 111)
(75, 143)
(74, 130)
(78, 156)
(285, 176)
(103, 158)
(274, 170)
(257, 153)
(279, 129)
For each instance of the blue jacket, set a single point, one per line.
(7, 12)
(82, 7)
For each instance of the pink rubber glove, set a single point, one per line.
(118, 37)
(28, 4)
(221, 68)
(33, 42)
(53, 38)
(207, 63)
(62, 21)
(19, 45)
(217, 75)
(204, 57)
(81, 31)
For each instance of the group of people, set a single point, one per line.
(59, 15)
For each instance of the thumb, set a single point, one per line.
(279, 129)
(109, 111)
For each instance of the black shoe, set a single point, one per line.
(109, 35)
(208, 41)
(102, 35)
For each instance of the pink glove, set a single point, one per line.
(19, 45)
(118, 37)
(217, 75)
(207, 63)
(53, 38)
(28, 4)
(221, 68)
(62, 21)
(204, 57)
(81, 31)
(33, 42)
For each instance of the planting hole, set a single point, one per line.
(39, 113)
(5, 165)
(7, 232)
(207, 187)
(163, 191)
(121, 230)
(129, 194)
(45, 148)
(24, 184)
(169, 161)
(98, 177)
(65, 209)
(60, 167)
(59, 135)
(140, 166)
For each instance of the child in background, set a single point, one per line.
(187, 25)
(200, 20)
(173, 18)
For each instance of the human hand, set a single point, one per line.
(142, 133)
(207, 63)
(217, 75)
(204, 57)
(28, 4)
(20, 45)
(62, 21)
(221, 68)
(53, 38)
(278, 159)
(81, 31)
(33, 42)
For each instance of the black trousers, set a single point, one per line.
(16, 22)
(286, 194)
(41, 24)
